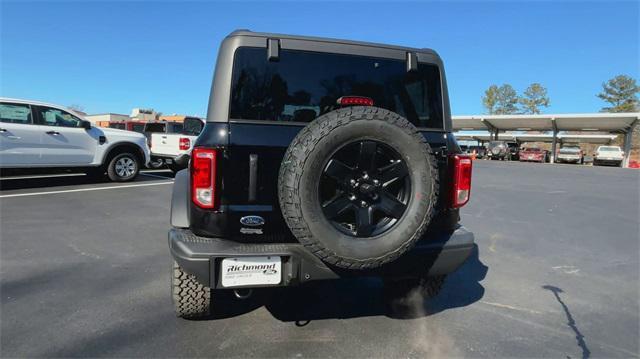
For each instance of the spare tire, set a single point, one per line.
(358, 186)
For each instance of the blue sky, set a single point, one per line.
(113, 56)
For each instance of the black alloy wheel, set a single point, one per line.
(365, 188)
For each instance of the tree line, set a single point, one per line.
(621, 92)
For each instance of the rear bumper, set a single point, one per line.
(201, 256)
(568, 159)
(527, 159)
(610, 161)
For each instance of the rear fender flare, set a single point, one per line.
(180, 200)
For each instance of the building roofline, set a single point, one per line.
(107, 113)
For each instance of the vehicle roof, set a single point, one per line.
(244, 32)
(38, 103)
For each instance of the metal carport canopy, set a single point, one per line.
(609, 122)
(563, 138)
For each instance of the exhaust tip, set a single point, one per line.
(243, 293)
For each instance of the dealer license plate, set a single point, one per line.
(243, 271)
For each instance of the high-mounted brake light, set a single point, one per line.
(354, 101)
(184, 144)
(461, 188)
(203, 177)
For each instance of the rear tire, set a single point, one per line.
(190, 298)
(123, 167)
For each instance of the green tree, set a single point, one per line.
(622, 93)
(507, 100)
(490, 99)
(534, 97)
(501, 100)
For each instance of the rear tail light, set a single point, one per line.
(203, 177)
(461, 180)
(185, 143)
(354, 101)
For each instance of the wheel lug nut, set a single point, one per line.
(363, 203)
(352, 197)
(353, 182)
(365, 176)
(376, 182)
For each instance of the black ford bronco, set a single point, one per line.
(321, 159)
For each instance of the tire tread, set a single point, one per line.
(292, 168)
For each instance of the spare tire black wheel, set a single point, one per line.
(358, 186)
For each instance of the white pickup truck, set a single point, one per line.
(50, 138)
(171, 147)
(610, 155)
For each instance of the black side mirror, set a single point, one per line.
(86, 125)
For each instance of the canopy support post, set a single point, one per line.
(628, 137)
(554, 141)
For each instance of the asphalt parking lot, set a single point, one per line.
(85, 272)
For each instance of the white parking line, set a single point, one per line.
(152, 171)
(154, 176)
(85, 189)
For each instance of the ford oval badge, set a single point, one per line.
(252, 221)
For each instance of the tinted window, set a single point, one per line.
(15, 113)
(176, 128)
(303, 85)
(137, 127)
(120, 126)
(192, 126)
(155, 127)
(48, 116)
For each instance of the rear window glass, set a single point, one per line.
(301, 86)
(609, 149)
(192, 126)
(155, 127)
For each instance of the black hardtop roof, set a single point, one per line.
(244, 32)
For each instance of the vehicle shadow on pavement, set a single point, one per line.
(7, 184)
(363, 297)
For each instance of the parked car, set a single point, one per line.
(36, 135)
(608, 155)
(570, 154)
(163, 128)
(534, 154)
(498, 150)
(173, 148)
(480, 151)
(358, 184)
(514, 151)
